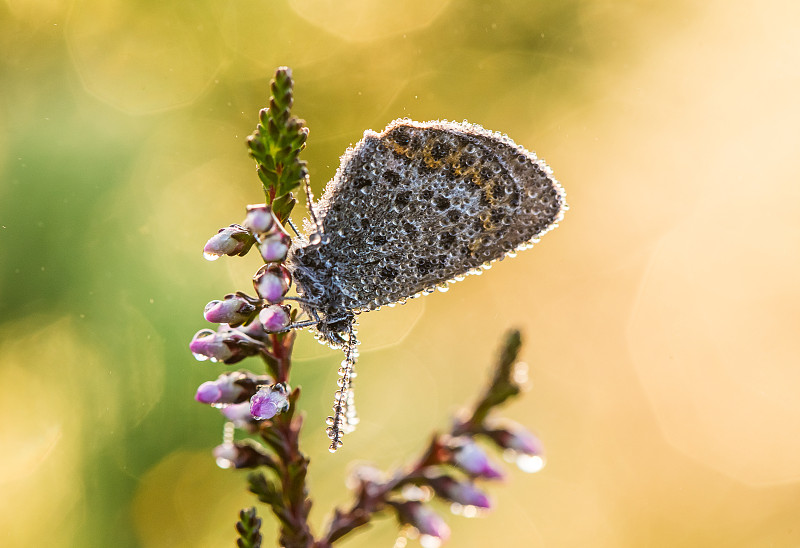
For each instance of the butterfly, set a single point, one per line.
(413, 208)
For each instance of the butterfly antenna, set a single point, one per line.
(291, 224)
(344, 417)
(310, 203)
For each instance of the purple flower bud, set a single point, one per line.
(226, 389)
(269, 401)
(226, 345)
(272, 282)
(239, 415)
(516, 438)
(225, 455)
(208, 392)
(207, 345)
(260, 218)
(469, 457)
(231, 240)
(464, 493)
(241, 455)
(234, 310)
(425, 520)
(275, 318)
(254, 330)
(275, 246)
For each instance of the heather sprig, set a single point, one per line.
(263, 408)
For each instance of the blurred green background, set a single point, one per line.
(661, 318)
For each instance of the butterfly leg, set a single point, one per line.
(344, 417)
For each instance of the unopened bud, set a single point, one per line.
(206, 345)
(233, 310)
(260, 219)
(275, 246)
(269, 401)
(472, 459)
(231, 240)
(462, 492)
(240, 454)
(275, 318)
(226, 345)
(509, 435)
(225, 389)
(272, 282)
(425, 520)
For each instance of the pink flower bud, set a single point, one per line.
(224, 390)
(274, 247)
(208, 392)
(516, 438)
(462, 492)
(469, 457)
(225, 345)
(240, 454)
(425, 520)
(231, 240)
(260, 218)
(272, 282)
(269, 401)
(239, 415)
(234, 310)
(206, 345)
(275, 318)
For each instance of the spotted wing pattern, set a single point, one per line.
(421, 204)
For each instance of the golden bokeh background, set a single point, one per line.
(661, 319)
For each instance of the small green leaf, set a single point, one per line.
(276, 144)
(249, 529)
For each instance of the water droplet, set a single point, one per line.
(469, 511)
(428, 541)
(519, 373)
(211, 256)
(200, 357)
(315, 238)
(224, 463)
(530, 463)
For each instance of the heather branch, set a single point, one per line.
(265, 405)
(374, 496)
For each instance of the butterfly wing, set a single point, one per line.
(423, 203)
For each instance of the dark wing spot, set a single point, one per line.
(361, 182)
(441, 202)
(439, 150)
(484, 198)
(388, 273)
(401, 136)
(446, 240)
(466, 160)
(391, 177)
(453, 215)
(426, 194)
(402, 198)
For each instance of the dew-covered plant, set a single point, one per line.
(263, 421)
